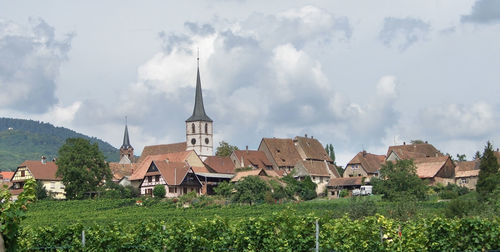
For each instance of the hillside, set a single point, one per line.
(29, 140)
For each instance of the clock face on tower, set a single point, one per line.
(193, 141)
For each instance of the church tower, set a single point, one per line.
(126, 151)
(199, 130)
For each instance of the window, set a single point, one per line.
(175, 189)
(52, 185)
(192, 128)
(463, 181)
(185, 190)
(157, 178)
(62, 186)
(22, 173)
(206, 128)
(321, 179)
(150, 179)
(170, 189)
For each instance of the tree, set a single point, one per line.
(417, 141)
(307, 189)
(330, 151)
(340, 170)
(12, 213)
(398, 181)
(82, 168)
(225, 149)
(250, 189)
(461, 157)
(489, 177)
(40, 191)
(225, 189)
(159, 191)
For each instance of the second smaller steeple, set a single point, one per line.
(126, 151)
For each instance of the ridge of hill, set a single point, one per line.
(22, 140)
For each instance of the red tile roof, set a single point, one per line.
(143, 167)
(253, 158)
(351, 181)
(161, 149)
(312, 149)
(283, 151)
(370, 162)
(320, 168)
(429, 167)
(465, 174)
(172, 172)
(41, 171)
(411, 151)
(467, 165)
(256, 172)
(6, 175)
(220, 164)
(121, 170)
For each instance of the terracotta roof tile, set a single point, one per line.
(41, 171)
(220, 164)
(465, 174)
(6, 175)
(429, 167)
(467, 166)
(283, 151)
(143, 167)
(351, 181)
(161, 149)
(256, 172)
(311, 149)
(370, 162)
(411, 151)
(172, 172)
(253, 158)
(320, 168)
(121, 170)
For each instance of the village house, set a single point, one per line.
(436, 169)
(250, 159)
(320, 172)
(178, 178)
(261, 173)
(122, 172)
(5, 177)
(42, 171)
(310, 148)
(281, 152)
(364, 164)
(336, 185)
(220, 164)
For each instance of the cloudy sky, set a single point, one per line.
(357, 74)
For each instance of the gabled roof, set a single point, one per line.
(312, 149)
(121, 170)
(172, 172)
(41, 171)
(282, 150)
(199, 110)
(467, 165)
(351, 181)
(220, 164)
(411, 151)
(256, 172)
(465, 174)
(253, 158)
(6, 175)
(370, 162)
(430, 166)
(318, 168)
(161, 149)
(143, 167)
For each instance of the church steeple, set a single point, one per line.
(199, 127)
(126, 151)
(199, 110)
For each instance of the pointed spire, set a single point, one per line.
(199, 110)
(126, 140)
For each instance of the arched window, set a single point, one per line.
(192, 128)
(206, 128)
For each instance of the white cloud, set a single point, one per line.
(403, 32)
(483, 11)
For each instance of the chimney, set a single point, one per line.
(404, 143)
(166, 160)
(44, 160)
(364, 153)
(305, 135)
(312, 137)
(498, 149)
(246, 147)
(426, 142)
(54, 159)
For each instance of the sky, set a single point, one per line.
(361, 75)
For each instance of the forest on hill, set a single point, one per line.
(22, 140)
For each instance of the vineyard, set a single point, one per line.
(285, 231)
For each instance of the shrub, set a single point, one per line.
(159, 191)
(343, 193)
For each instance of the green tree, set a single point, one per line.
(330, 151)
(82, 167)
(159, 191)
(224, 189)
(11, 214)
(225, 149)
(307, 189)
(489, 177)
(250, 189)
(40, 191)
(461, 157)
(398, 181)
(417, 141)
(340, 170)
